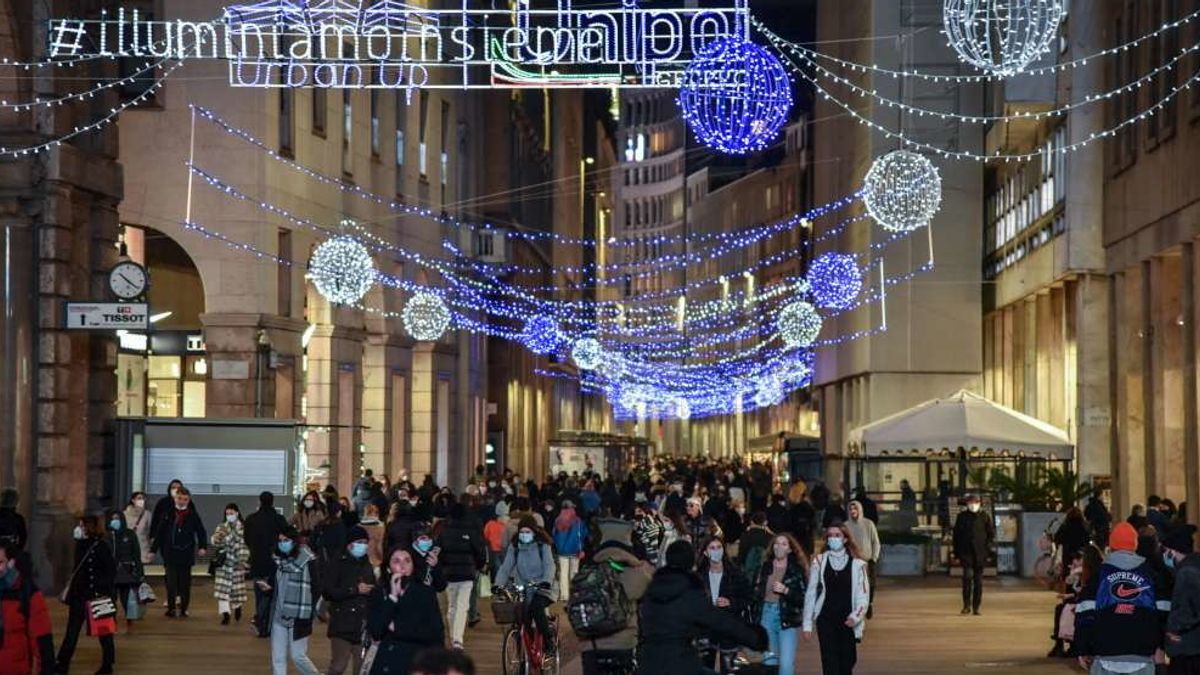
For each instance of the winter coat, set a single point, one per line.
(647, 537)
(529, 564)
(675, 610)
(973, 536)
(177, 540)
(635, 577)
(138, 520)
(348, 607)
(94, 571)
(12, 527)
(735, 588)
(26, 640)
(307, 520)
(127, 556)
(860, 592)
(791, 605)
(1184, 621)
(262, 530)
(404, 627)
(1072, 536)
(1123, 610)
(866, 536)
(570, 542)
(463, 552)
(293, 600)
(229, 584)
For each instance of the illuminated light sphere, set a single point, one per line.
(342, 270)
(683, 409)
(769, 393)
(834, 280)
(542, 335)
(735, 96)
(425, 317)
(1002, 37)
(903, 191)
(586, 353)
(799, 324)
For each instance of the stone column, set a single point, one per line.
(1044, 330)
(1148, 338)
(1093, 412)
(422, 424)
(243, 351)
(334, 386)
(1191, 439)
(386, 362)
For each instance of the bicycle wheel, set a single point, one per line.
(552, 662)
(512, 654)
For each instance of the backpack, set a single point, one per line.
(598, 606)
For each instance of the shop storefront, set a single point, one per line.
(161, 374)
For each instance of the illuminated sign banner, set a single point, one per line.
(391, 45)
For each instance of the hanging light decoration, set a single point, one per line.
(735, 96)
(903, 191)
(799, 324)
(769, 393)
(1002, 37)
(425, 317)
(834, 280)
(542, 335)
(683, 409)
(342, 270)
(586, 353)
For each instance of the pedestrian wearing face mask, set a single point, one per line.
(836, 601)
(137, 518)
(780, 586)
(728, 589)
(426, 556)
(348, 585)
(163, 508)
(26, 635)
(293, 604)
(310, 514)
(231, 560)
(974, 533)
(180, 537)
(127, 557)
(262, 529)
(529, 561)
(91, 579)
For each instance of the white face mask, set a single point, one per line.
(77, 532)
(140, 503)
(782, 550)
(231, 518)
(973, 507)
(308, 503)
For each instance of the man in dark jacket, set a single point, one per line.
(1183, 624)
(755, 543)
(974, 533)
(348, 585)
(1098, 518)
(180, 537)
(676, 609)
(263, 528)
(461, 558)
(1121, 615)
(402, 531)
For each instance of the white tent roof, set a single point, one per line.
(963, 420)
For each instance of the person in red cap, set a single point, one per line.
(1120, 619)
(974, 533)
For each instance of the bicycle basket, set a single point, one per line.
(504, 613)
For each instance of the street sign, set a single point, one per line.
(108, 316)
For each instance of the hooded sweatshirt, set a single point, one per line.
(1123, 611)
(864, 533)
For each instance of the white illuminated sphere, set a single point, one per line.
(799, 324)
(1002, 37)
(768, 394)
(342, 270)
(903, 191)
(425, 317)
(586, 353)
(683, 409)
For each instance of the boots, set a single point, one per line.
(224, 618)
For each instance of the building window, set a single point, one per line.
(1121, 108)
(284, 278)
(347, 132)
(422, 150)
(320, 110)
(287, 121)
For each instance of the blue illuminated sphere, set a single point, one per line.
(834, 281)
(542, 335)
(735, 96)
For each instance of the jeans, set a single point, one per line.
(1099, 669)
(76, 617)
(262, 608)
(782, 640)
(568, 565)
(282, 645)
(342, 652)
(179, 584)
(458, 599)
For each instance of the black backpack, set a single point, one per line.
(598, 606)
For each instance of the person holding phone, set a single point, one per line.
(403, 615)
(292, 605)
(426, 557)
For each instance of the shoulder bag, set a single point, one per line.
(62, 597)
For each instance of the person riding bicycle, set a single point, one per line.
(676, 609)
(529, 561)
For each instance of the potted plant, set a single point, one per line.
(1042, 496)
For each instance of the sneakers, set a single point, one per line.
(170, 614)
(457, 646)
(965, 610)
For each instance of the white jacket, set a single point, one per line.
(860, 593)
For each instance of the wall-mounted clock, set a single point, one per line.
(128, 280)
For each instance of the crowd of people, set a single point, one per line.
(713, 558)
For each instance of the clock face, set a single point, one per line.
(128, 280)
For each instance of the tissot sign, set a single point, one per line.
(388, 44)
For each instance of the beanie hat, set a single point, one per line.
(9, 497)
(527, 522)
(1123, 538)
(681, 555)
(501, 509)
(357, 533)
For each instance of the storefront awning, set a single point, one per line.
(963, 420)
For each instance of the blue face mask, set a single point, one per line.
(358, 549)
(423, 545)
(525, 537)
(835, 543)
(114, 524)
(1169, 561)
(285, 546)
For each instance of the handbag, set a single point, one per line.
(145, 593)
(485, 586)
(102, 617)
(1066, 623)
(63, 596)
(134, 609)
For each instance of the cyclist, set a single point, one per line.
(529, 561)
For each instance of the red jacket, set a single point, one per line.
(26, 646)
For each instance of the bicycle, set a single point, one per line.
(523, 650)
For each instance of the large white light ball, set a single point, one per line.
(903, 191)
(799, 324)
(425, 317)
(1002, 37)
(342, 270)
(769, 393)
(586, 353)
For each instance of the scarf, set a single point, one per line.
(294, 586)
(838, 559)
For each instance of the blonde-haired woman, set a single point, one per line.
(836, 601)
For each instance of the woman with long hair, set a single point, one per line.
(781, 585)
(570, 534)
(728, 588)
(1085, 565)
(233, 555)
(674, 529)
(836, 601)
(311, 512)
(137, 519)
(91, 579)
(403, 615)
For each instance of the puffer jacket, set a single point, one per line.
(463, 552)
(791, 606)
(348, 607)
(1183, 624)
(127, 554)
(675, 610)
(635, 577)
